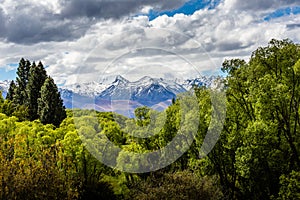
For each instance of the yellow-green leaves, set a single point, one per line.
(296, 68)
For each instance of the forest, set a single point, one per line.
(45, 149)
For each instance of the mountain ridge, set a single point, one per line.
(156, 93)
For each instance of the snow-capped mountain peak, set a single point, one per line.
(145, 80)
(120, 80)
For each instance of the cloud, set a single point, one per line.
(29, 22)
(112, 8)
(29, 30)
(293, 26)
(84, 46)
(258, 5)
(32, 21)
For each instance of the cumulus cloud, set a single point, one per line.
(82, 46)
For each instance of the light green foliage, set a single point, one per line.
(47, 163)
(296, 68)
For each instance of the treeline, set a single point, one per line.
(256, 156)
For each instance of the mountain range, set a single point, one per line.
(123, 96)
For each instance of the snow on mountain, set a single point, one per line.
(86, 89)
(170, 85)
(118, 90)
(147, 91)
(4, 85)
(123, 96)
(200, 81)
(120, 80)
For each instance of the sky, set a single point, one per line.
(95, 40)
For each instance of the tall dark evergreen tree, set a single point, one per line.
(36, 79)
(11, 91)
(22, 79)
(27, 70)
(50, 104)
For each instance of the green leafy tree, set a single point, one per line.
(142, 116)
(262, 123)
(6, 107)
(50, 104)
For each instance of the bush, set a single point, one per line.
(179, 185)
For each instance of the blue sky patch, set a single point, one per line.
(8, 72)
(283, 12)
(188, 8)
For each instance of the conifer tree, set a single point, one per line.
(11, 91)
(27, 70)
(36, 79)
(22, 79)
(50, 104)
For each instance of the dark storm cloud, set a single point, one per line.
(2, 23)
(30, 23)
(293, 26)
(113, 8)
(28, 29)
